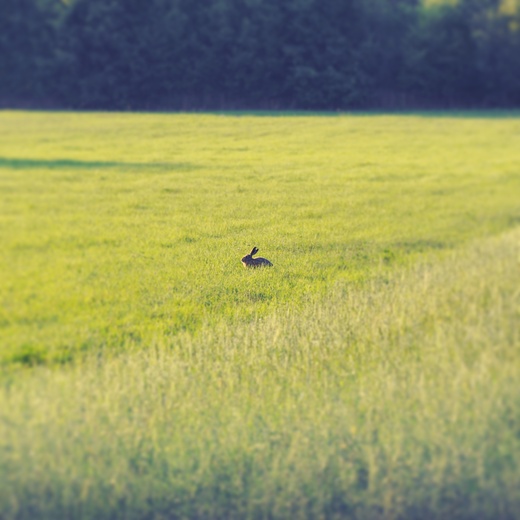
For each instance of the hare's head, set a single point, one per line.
(249, 258)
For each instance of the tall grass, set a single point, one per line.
(398, 399)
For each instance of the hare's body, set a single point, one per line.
(249, 261)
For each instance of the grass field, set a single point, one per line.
(372, 373)
(119, 229)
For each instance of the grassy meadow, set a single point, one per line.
(371, 373)
(119, 229)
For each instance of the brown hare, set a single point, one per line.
(249, 261)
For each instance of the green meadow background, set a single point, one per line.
(371, 373)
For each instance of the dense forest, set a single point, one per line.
(264, 54)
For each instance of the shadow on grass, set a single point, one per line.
(68, 164)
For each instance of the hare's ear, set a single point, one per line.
(254, 251)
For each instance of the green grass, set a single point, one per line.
(398, 399)
(121, 229)
(372, 373)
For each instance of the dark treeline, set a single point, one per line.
(275, 54)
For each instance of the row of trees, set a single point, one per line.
(213, 54)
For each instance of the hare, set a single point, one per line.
(249, 261)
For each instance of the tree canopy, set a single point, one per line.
(275, 54)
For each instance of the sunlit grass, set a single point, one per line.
(122, 229)
(398, 399)
(371, 373)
